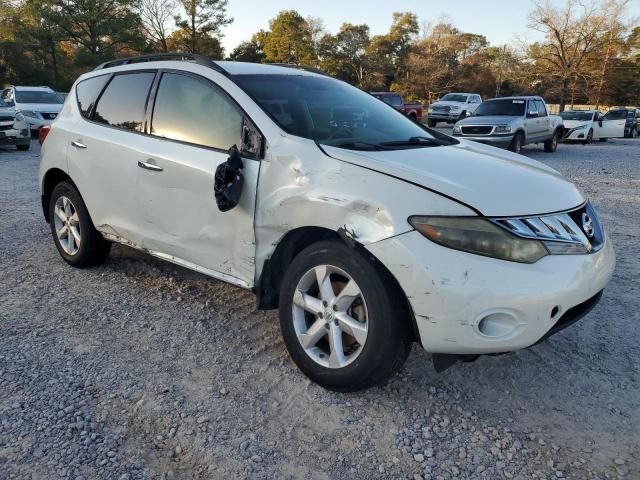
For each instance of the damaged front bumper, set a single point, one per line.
(468, 305)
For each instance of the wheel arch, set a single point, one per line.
(267, 287)
(52, 178)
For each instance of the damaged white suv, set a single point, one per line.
(368, 232)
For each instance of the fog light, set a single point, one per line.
(497, 325)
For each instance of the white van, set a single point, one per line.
(368, 232)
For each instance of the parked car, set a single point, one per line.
(512, 122)
(411, 110)
(368, 231)
(588, 125)
(453, 107)
(632, 125)
(39, 105)
(14, 129)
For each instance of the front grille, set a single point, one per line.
(6, 127)
(49, 116)
(477, 130)
(580, 227)
(440, 108)
(5, 118)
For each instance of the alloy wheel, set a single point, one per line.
(67, 225)
(330, 316)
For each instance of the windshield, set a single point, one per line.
(35, 96)
(580, 116)
(512, 107)
(631, 115)
(334, 113)
(454, 97)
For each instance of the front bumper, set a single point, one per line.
(500, 141)
(444, 116)
(15, 136)
(470, 304)
(575, 135)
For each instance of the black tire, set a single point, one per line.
(603, 140)
(413, 117)
(93, 248)
(517, 142)
(388, 340)
(551, 145)
(589, 138)
(634, 133)
(432, 123)
(462, 116)
(23, 148)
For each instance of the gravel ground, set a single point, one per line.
(142, 370)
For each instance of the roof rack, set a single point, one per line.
(300, 67)
(159, 57)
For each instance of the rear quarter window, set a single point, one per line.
(87, 93)
(123, 103)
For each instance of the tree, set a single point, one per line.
(202, 26)
(157, 18)
(577, 36)
(207, 45)
(344, 55)
(102, 28)
(289, 40)
(250, 51)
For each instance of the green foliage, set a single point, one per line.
(288, 40)
(200, 28)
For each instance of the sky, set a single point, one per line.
(501, 21)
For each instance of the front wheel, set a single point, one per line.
(343, 321)
(432, 123)
(551, 145)
(589, 137)
(517, 142)
(74, 235)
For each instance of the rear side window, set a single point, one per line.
(87, 93)
(191, 110)
(122, 104)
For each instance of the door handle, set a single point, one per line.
(150, 166)
(78, 144)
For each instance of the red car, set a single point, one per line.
(411, 110)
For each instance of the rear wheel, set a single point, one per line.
(23, 148)
(413, 117)
(551, 145)
(517, 142)
(342, 319)
(603, 139)
(74, 235)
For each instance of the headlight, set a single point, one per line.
(29, 113)
(581, 127)
(20, 117)
(455, 108)
(456, 129)
(479, 236)
(503, 129)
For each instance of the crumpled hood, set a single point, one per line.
(7, 112)
(575, 123)
(488, 120)
(493, 181)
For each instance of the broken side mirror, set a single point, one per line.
(252, 141)
(229, 181)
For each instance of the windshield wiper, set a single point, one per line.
(357, 145)
(417, 142)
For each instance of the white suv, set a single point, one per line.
(39, 105)
(366, 230)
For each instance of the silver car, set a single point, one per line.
(39, 105)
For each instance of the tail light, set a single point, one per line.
(44, 131)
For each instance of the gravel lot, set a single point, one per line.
(142, 370)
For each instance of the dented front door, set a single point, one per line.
(192, 127)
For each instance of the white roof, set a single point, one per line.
(33, 89)
(246, 68)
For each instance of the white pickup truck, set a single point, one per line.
(453, 107)
(512, 122)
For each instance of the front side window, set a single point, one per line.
(616, 115)
(87, 93)
(192, 110)
(333, 113)
(36, 96)
(123, 102)
(395, 100)
(542, 111)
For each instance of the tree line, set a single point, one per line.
(590, 52)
